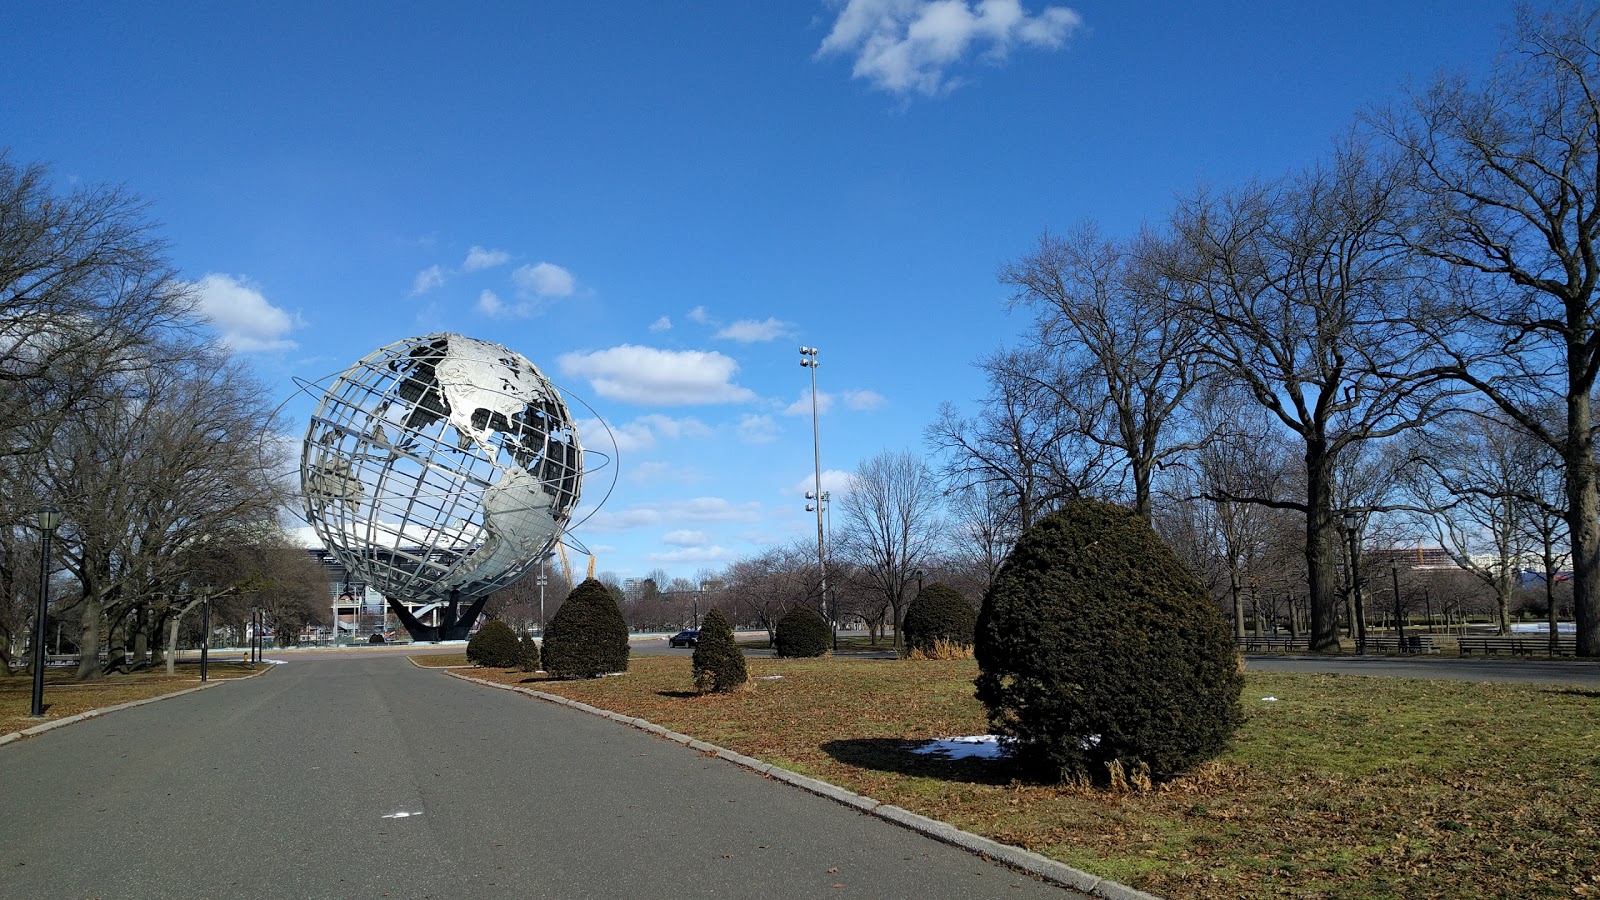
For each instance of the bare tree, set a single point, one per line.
(890, 525)
(767, 586)
(1474, 478)
(86, 293)
(983, 529)
(1122, 362)
(1507, 174)
(1304, 302)
(1024, 442)
(179, 464)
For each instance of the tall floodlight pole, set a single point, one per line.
(49, 521)
(542, 580)
(808, 358)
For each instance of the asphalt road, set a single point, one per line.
(1527, 671)
(365, 777)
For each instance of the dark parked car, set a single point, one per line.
(686, 638)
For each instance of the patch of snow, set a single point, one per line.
(768, 677)
(980, 746)
(1269, 699)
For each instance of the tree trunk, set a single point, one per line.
(1502, 598)
(117, 640)
(141, 636)
(1321, 555)
(1238, 603)
(89, 638)
(172, 644)
(1583, 523)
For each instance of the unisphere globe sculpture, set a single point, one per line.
(440, 468)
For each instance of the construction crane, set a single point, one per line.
(566, 567)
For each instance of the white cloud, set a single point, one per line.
(757, 429)
(490, 305)
(661, 324)
(652, 377)
(700, 509)
(712, 554)
(238, 309)
(835, 481)
(543, 280)
(643, 432)
(905, 46)
(426, 280)
(802, 407)
(863, 401)
(685, 538)
(479, 258)
(699, 314)
(658, 472)
(855, 401)
(748, 331)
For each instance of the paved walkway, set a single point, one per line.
(367, 777)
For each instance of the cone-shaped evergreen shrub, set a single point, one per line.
(587, 637)
(1098, 650)
(718, 663)
(802, 632)
(938, 615)
(494, 646)
(528, 656)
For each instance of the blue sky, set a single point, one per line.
(660, 203)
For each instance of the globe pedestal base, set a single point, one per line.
(455, 624)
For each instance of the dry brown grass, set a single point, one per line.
(64, 697)
(942, 649)
(1342, 787)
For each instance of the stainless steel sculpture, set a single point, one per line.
(440, 468)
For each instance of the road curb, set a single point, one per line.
(1016, 857)
(96, 713)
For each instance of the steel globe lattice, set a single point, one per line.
(440, 466)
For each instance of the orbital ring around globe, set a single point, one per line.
(441, 466)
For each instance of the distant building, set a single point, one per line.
(357, 610)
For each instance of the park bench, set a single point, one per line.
(1252, 644)
(1414, 643)
(1516, 644)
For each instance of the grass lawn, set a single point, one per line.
(64, 697)
(1342, 786)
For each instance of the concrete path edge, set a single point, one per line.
(1016, 857)
(93, 713)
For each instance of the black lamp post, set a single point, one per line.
(1352, 525)
(49, 521)
(205, 630)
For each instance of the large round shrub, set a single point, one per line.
(718, 663)
(802, 632)
(495, 646)
(587, 637)
(1097, 648)
(938, 621)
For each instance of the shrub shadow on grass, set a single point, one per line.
(894, 755)
(1575, 692)
(679, 695)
